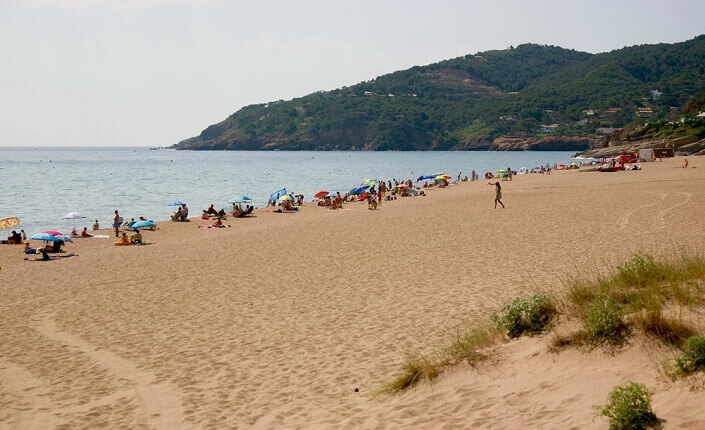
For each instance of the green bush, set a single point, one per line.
(525, 315)
(603, 320)
(629, 407)
(693, 357)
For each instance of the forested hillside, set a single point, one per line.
(531, 91)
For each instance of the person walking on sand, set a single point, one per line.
(509, 172)
(116, 223)
(498, 194)
(685, 163)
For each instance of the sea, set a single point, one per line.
(40, 185)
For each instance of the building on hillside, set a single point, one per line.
(656, 94)
(548, 128)
(644, 112)
(700, 115)
(508, 118)
(549, 111)
(612, 111)
(589, 112)
(606, 130)
(367, 93)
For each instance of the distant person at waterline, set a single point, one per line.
(96, 226)
(498, 194)
(116, 223)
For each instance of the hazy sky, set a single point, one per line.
(153, 72)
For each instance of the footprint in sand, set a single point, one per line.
(24, 386)
(160, 404)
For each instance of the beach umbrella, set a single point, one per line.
(9, 222)
(321, 194)
(359, 190)
(46, 237)
(421, 178)
(74, 215)
(142, 224)
(285, 197)
(53, 232)
(176, 203)
(332, 194)
(370, 182)
(275, 195)
(66, 238)
(240, 199)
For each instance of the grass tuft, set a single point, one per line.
(416, 368)
(629, 407)
(693, 357)
(603, 321)
(469, 345)
(670, 331)
(525, 315)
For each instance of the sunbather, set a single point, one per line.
(136, 238)
(125, 241)
(85, 233)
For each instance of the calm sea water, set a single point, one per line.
(41, 185)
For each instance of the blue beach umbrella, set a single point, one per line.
(359, 190)
(240, 199)
(46, 237)
(332, 195)
(421, 178)
(142, 224)
(275, 195)
(176, 203)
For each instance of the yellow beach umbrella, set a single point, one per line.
(9, 222)
(285, 197)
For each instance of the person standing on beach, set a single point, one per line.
(498, 194)
(116, 223)
(509, 172)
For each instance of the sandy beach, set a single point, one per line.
(275, 321)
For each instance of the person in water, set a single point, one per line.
(498, 194)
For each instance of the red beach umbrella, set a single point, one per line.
(321, 194)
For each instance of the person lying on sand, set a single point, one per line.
(47, 257)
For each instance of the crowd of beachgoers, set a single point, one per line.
(373, 192)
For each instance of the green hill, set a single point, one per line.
(466, 102)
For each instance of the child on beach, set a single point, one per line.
(498, 194)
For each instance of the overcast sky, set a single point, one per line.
(153, 72)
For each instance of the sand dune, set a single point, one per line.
(274, 322)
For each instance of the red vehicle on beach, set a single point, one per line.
(625, 157)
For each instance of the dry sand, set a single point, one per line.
(274, 322)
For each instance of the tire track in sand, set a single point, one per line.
(22, 384)
(661, 216)
(160, 403)
(624, 219)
